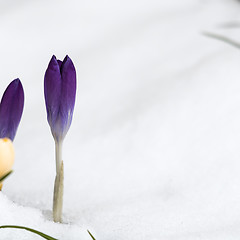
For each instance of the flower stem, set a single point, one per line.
(58, 152)
(58, 186)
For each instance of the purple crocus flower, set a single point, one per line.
(60, 91)
(11, 108)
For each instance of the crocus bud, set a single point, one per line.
(60, 91)
(11, 108)
(6, 156)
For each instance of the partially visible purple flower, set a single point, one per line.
(60, 91)
(11, 108)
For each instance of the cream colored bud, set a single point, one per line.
(6, 156)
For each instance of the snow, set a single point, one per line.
(153, 150)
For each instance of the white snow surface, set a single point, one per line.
(153, 152)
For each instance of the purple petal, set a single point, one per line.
(11, 108)
(60, 91)
(59, 63)
(68, 93)
(52, 90)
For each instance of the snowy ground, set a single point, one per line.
(153, 152)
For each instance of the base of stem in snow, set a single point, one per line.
(58, 195)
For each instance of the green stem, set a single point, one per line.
(91, 235)
(6, 175)
(30, 230)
